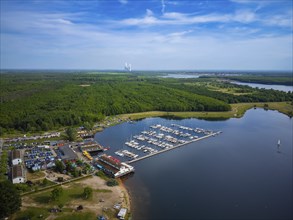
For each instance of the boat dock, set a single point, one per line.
(172, 148)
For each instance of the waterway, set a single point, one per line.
(265, 86)
(181, 76)
(239, 174)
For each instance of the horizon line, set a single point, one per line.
(144, 70)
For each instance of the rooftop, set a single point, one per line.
(17, 171)
(68, 153)
(111, 161)
(15, 154)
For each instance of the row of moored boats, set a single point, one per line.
(162, 137)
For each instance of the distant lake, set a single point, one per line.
(239, 174)
(180, 76)
(265, 86)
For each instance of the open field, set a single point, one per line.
(222, 87)
(238, 110)
(101, 203)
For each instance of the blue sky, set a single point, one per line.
(149, 34)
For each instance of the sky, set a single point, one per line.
(149, 34)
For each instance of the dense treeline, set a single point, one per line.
(40, 102)
(45, 101)
(249, 94)
(276, 80)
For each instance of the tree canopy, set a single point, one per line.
(87, 192)
(33, 102)
(10, 200)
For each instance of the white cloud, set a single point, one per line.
(175, 15)
(149, 13)
(38, 40)
(245, 16)
(279, 20)
(163, 6)
(239, 16)
(79, 46)
(123, 1)
(173, 3)
(175, 18)
(244, 1)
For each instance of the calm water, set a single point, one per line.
(264, 86)
(180, 76)
(237, 175)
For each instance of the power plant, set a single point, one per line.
(127, 67)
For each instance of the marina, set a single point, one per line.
(159, 139)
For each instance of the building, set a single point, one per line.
(113, 166)
(17, 174)
(91, 146)
(67, 153)
(122, 213)
(16, 157)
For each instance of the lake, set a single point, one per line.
(180, 76)
(265, 86)
(239, 174)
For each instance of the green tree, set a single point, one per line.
(112, 182)
(70, 134)
(75, 172)
(88, 126)
(56, 193)
(45, 182)
(87, 193)
(59, 166)
(10, 200)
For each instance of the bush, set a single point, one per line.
(56, 193)
(87, 193)
(112, 182)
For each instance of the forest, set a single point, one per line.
(285, 79)
(42, 101)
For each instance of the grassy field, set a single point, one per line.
(74, 192)
(33, 213)
(78, 216)
(238, 110)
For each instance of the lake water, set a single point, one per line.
(180, 76)
(264, 86)
(239, 174)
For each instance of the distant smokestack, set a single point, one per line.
(127, 67)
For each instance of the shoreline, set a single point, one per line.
(237, 111)
(126, 194)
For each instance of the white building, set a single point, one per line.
(122, 213)
(16, 157)
(17, 174)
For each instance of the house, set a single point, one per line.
(16, 157)
(17, 174)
